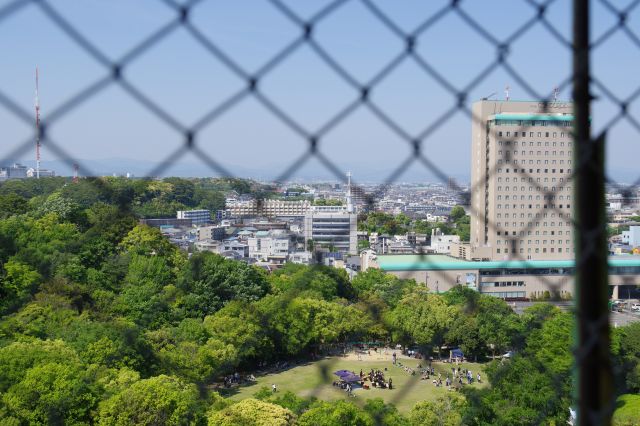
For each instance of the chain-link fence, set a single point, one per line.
(595, 395)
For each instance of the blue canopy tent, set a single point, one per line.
(456, 353)
(341, 373)
(351, 378)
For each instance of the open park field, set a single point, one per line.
(316, 378)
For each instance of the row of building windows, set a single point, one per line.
(530, 215)
(531, 162)
(504, 284)
(537, 188)
(545, 197)
(513, 242)
(515, 143)
(531, 180)
(508, 294)
(523, 206)
(500, 225)
(530, 197)
(531, 171)
(539, 153)
(544, 206)
(529, 233)
(537, 250)
(538, 215)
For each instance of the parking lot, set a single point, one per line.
(625, 312)
(625, 315)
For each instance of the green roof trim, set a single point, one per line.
(443, 263)
(533, 117)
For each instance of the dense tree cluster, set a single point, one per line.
(103, 321)
(385, 223)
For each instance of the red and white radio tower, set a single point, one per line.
(37, 104)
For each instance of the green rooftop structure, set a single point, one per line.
(532, 117)
(440, 262)
(507, 279)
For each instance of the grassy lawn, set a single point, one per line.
(315, 379)
(627, 410)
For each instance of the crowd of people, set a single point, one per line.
(236, 379)
(376, 378)
(232, 379)
(346, 386)
(458, 377)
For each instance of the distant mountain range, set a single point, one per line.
(311, 171)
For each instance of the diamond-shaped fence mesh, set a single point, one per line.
(251, 83)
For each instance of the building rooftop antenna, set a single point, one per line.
(556, 91)
(506, 92)
(37, 106)
(349, 201)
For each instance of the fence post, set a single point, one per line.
(594, 374)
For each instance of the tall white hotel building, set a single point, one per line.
(521, 191)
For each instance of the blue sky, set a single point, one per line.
(248, 140)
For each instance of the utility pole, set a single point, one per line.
(37, 106)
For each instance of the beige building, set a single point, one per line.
(460, 251)
(268, 208)
(521, 192)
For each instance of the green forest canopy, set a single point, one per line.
(104, 321)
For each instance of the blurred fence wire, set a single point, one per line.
(595, 397)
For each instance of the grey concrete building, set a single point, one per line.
(331, 227)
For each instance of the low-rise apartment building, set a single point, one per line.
(269, 246)
(198, 217)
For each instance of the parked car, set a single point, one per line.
(635, 307)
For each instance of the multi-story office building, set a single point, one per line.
(285, 208)
(16, 171)
(33, 173)
(332, 227)
(269, 208)
(521, 191)
(198, 217)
